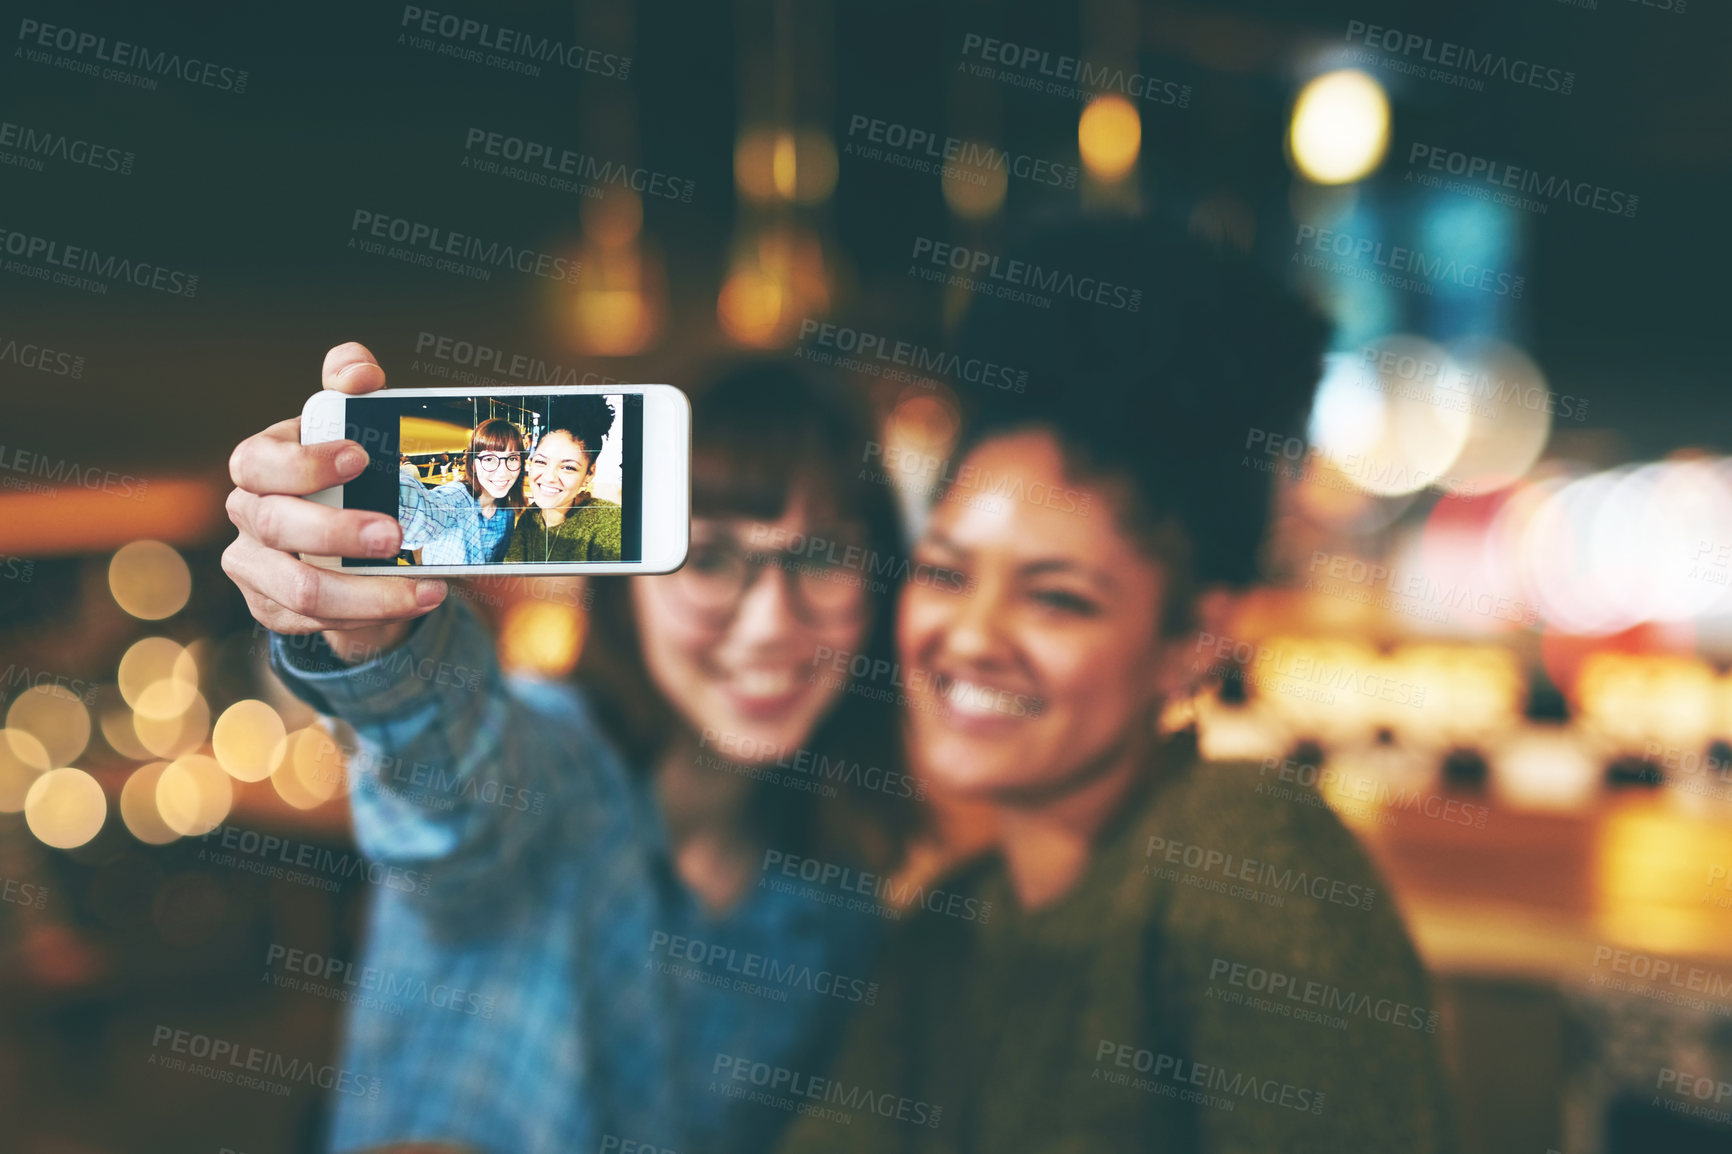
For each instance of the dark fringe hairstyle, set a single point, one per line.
(761, 430)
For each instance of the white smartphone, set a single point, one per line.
(580, 479)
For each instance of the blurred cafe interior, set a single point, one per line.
(1496, 626)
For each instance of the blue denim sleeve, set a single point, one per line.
(454, 769)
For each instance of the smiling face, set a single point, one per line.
(558, 471)
(1042, 663)
(497, 478)
(742, 675)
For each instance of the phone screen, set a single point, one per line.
(540, 479)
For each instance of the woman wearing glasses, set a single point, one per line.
(466, 522)
(568, 522)
(594, 854)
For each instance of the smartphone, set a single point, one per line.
(580, 479)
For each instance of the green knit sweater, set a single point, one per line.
(1229, 976)
(590, 532)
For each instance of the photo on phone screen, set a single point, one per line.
(499, 479)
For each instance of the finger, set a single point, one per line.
(352, 368)
(326, 598)
(299, 526)
(275, 461)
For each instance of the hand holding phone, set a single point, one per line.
(573, 479)
(274, 473)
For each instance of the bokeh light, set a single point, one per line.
(65, 808)
(193, 795)
(149, 580)
(541, 637)
(1109, 135)
(1340, 128)
(975, 191)
(311, 769)
(1384, 417)
(138, 805)
(248, 740)
(151, 660)
(22, 760)
(172, 736)
(55, 716)
(772, 164)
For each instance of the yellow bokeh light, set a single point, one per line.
(311, 769)
(22, 760)
(541, 637)
(975, 191)
(150, 660)
(138, 805)
(753, 307)
(248, 740)
(193, 795)
(65, 808)
(1340, 127)
(56, 717)
(172, 736)
(149, 580)
(121, 736)
(1109, 135)
(773, 164)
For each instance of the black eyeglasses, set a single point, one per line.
(718, 573)
(511, 461)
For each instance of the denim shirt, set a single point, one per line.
(549, 984)
(446, 523)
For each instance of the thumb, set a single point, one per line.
(351, 368)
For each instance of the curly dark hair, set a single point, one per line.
(588, 417)
(1157, 402)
